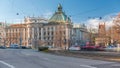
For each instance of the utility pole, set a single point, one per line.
(21, 35)
(20, 32)
(65, 39)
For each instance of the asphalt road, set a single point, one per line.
(18, 58)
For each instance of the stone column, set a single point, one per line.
(42, 32)
(37, 33)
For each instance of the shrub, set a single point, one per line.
(42, 48)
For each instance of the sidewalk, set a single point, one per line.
(99, 55)
(104, 53)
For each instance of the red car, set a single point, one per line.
(92, 48)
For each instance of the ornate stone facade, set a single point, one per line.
(2, 33)
(15, 34)
(37, 31)
(80, 34)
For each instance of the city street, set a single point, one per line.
(27, 58)
(67, 34)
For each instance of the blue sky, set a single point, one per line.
(79, 10)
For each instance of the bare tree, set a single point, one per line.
(59, 36)
(116, 22)
(116, 29)
(92, 31)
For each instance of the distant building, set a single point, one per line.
(62, 29)
(15, 33)
(2, 33)
(110, 36)
(35, 31)
(25, 33)
(80, 34)
(102, 38)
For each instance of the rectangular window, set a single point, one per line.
(52, 28)
(48, 38)
(39, 29)
(44, 38)
(39, 38)
(48, 33)
(52, 33)
(44, 33)
(39, 33)
(64, 32)
(48, 28)
(51, 38)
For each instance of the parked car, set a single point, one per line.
(15, 46)
(29, 46)
(23, 47)
(75, 47)
(92, 48)
(2, 47)
(112, 48)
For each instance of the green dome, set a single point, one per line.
(59, 16)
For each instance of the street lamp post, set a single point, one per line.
(65, 43)
(20, 41)
(20, 32)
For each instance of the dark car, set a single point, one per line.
(23, 47)
(2, 47)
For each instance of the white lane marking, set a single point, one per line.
(87, 66)
(45, 58)
(116, 65)
(9, 65)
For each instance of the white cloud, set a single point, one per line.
(108, 19)
(14, 21)
(47, 15)
(93, 22)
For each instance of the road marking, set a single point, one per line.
(45, 58)
(116, 65)
(87, 66)
(9, 65)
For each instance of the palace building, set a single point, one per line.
(37, 31)
(2, 33)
